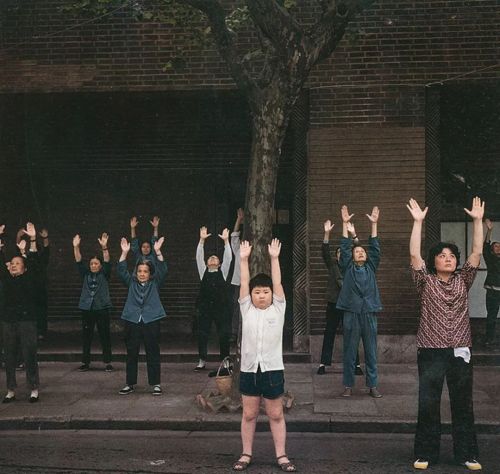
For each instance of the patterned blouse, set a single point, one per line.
(444, 320)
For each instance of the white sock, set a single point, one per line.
(10, 394)
(34, 393)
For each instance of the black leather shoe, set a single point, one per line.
(9, 399)
(321, 370)
(33, 399)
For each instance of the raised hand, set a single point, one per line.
(374, 215)
(158, 244)
(351, 229)
(125, 245)
(103, 240)
(76, 241)
(30, 230)
(2, 229)
(489, 225)
(133, 222)
(245, 250)
(477, 209)
(240, 214)
(274, 248)
(22, 245)
(225, 235)
(328, 226)
(44, 233)
(204, 233)
(416, 211)
(155, 222)
(346, 217)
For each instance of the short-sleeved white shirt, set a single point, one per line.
(262, 335)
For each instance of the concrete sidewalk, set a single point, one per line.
(70, 399)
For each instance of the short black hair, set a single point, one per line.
(436, 250)
(262, 280)
(145, 261)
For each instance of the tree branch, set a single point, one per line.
(325, 35)
(224, 40)
(275, 23)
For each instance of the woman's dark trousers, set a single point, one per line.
(149, 334)
(26, 333)
(89, 320)
(434, 366)
(222, 318)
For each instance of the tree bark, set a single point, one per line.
(270, 116)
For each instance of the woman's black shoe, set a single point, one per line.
(321, 370)
(33, 399)
(8, 399)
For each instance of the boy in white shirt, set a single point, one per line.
(262, 304)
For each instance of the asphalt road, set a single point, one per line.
(59, 452)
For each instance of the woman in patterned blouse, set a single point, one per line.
(444, 341)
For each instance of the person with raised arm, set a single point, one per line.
(359, 298)
(262, 302)
(95, 301)
(142, 314)
(491, 255)
(213, 299)
(333, 315)
(444, 340)
(143, 249)
(20, 280)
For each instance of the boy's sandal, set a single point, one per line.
(242, 465)
(286, 466)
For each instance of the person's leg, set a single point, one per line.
(88, 323)
(152, 347)
(274, 411)
(204, 323)
(104, 334)
(459, 378)
(11, 351)
(29, 344)
(133, 336)
(368, 323)
(251, 407)
(351, 343)
(492, 307)
(431, 373)
(333, 319)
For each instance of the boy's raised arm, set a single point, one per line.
(274, 249)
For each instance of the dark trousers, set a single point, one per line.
(149, 334)
(235, 310)
(42, 303)
(222, 320)
(360, 326)
(333, 321)
(26, 333)
(492, 307)
(434, 365)
(89, 320)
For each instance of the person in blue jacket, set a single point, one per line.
(95, 301)
(359, 298)
(142, 314)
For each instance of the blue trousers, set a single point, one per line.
(360, 326)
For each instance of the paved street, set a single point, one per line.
(139, 452)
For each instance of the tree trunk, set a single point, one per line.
(270, 117)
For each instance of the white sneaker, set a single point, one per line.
(200, 366)
(421, 464)
(473, 465)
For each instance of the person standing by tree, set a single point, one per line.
(491, 255)
(262, 302)
(444, 340)
(360, 300)
(213, 302)
(95, 301)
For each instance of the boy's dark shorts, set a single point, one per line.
(269, 384)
